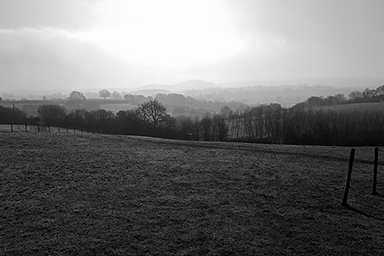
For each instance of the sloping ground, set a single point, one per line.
(87, 194)
(367, 106)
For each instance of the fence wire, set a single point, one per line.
(42, 128)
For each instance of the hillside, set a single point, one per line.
(73, 194)
(367, 106)
(177, 87)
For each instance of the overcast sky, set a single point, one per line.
(78, 44)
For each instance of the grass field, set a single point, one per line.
(87, 194)
(115, 108)
(369, 106)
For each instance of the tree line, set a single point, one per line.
(301, 124)
(148, 119)
(309, 126)
(367, 95)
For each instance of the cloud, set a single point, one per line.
(78, 44)
(50, 58)
(47, 47)
(327, 38)
(65, 14)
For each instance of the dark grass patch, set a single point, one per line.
(73, 194)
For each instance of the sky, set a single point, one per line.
(82, 44)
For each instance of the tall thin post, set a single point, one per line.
(375, 170)
(26, 127)
(347, 184)
(38, 127)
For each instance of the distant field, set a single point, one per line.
(88, 194)
(373, 106)
(117, 107)
(31, 106)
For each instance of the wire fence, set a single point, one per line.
(25, 127)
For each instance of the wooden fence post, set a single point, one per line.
(375, 171)
(26, 127)
(38, 127)
(347, 184)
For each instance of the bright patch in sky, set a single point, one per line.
(169, 34)
(129, 43)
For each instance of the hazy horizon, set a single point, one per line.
(82, 44)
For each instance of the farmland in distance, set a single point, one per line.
(71, 194)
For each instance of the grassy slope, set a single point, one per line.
(369, 106)
(66, 194)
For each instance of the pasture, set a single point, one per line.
(368, 107)
(91, 194)
(115, 108)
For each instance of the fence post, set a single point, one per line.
(38, 127)
(375, 171)
(26, 127)
(347, 184)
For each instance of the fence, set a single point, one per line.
(349, 174)
(24, 127)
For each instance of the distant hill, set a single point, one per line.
(178, 87)
(152, 87)
(192, 85)
(150, 92)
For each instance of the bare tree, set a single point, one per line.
(75, 95)
(220, 127)
(154, 113)
(76, 117)
(380, 90)
(355, 95)
(367, 93)
(52, 114)
(116, 95)
(340, 98)
(206, 128)
(104, 93)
